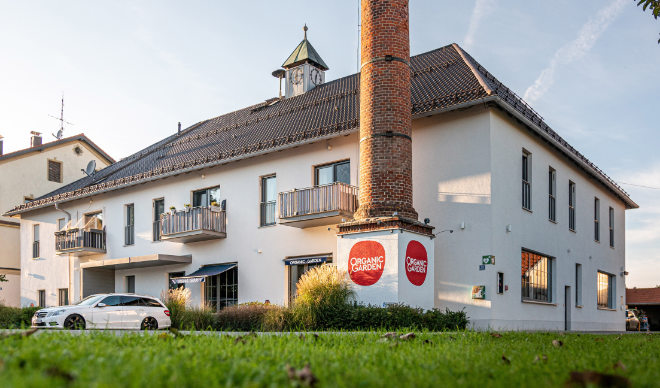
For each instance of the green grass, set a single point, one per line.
(52, 359)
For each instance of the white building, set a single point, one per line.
(269, 183)
(28, 174)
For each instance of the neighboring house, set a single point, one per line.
(28, 174)
(268, 184)
(648, 301)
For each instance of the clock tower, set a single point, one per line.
(304, 69)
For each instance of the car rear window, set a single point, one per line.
(150, 302)
(130, 300)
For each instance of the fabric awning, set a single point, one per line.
(199, 275)
(307, 260)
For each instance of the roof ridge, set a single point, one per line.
(476, 73)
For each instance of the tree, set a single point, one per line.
(653, 5)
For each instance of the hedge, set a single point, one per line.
(16, 317)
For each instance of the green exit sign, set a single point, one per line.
(488, 259)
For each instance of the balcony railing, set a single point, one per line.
(194, 224)
(80, 242)
(318, 205)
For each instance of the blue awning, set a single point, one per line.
(306, 260)
(199, 275)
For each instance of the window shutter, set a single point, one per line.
(54, 171)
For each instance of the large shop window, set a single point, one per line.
(536, 276)
(206, 197)
(221, 290)
(605, 290)
(298, 266)
(268, 200)
(331, 173)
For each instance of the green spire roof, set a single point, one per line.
(304, 52)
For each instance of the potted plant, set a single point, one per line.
(172, 210)
(215, 206)
(187, 207)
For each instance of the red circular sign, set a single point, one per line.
(416, 263)
(366, 262)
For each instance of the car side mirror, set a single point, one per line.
(101, 305)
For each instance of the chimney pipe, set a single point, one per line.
(35, 139)
(1, 141)
(385, 112)
(179, 128)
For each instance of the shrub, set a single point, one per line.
(245, 317)
(176, 301)
(196, 318)
(279, 318)
(16, 317)
(321, 293)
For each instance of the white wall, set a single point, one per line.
(466, 170)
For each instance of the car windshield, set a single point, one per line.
(90, 300)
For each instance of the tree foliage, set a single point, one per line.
(653, 6)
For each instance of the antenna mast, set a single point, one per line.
(60, 133)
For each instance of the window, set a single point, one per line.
(129, 229)
(159, 208)
(552, 194)
(612, 227)
(605, 290)
(63, 296)
(171, 284)
(112, 300)
(35, 241)
(596, 219)
(221, 290)
(578, 284)
(536, 271)
(94, 220)
(500, 283)
(331, 173)
(526, 181)
(206, 197)
(55, 171)
(571, 206)
(42, 298)
(295, 272)
(130, 284)
(61, 223)
(268, 200)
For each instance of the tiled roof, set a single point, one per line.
(443, 79)
(80, 137)
(643, 296)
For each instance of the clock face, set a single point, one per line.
(297, 76)
(316, 77)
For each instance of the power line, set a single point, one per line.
(642, 186)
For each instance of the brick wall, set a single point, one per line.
(385, 112)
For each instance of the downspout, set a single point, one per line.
(69, 255)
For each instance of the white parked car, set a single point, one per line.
(106, 311)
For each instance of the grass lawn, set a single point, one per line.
(52, 359)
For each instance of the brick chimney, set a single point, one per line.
(35, 139)
(385, 112)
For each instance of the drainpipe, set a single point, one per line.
(69, 255)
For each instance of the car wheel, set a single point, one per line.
(74, 322)
(149, 323)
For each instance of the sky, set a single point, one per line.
(129, 71)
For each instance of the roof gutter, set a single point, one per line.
(57, 207)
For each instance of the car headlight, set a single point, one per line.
(55, 313)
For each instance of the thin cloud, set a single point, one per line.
(481, 9)
(587, 37)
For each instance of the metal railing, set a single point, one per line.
(268, 213)
(196, 218)
(129, 235)
(73, 239)
(156, 230)
(336, 196)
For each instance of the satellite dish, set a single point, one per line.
(90, 169)
(59, 135)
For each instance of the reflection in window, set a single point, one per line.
(206, 197)
(605, 290)
(536, 276)
(331, 173)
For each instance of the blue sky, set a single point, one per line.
(131, 70)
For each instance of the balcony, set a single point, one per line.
(319, 205)
(194, 224)
(80, 242)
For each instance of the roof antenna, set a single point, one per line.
(60, 133)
